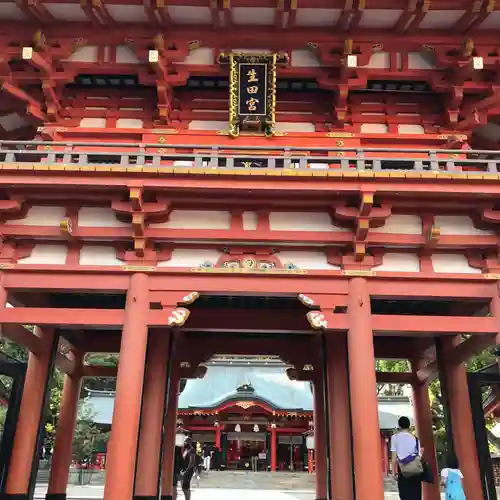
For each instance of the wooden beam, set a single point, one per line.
(22, 336)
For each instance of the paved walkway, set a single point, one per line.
(229, 485)
(96, 493)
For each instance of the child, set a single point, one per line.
(451, 479)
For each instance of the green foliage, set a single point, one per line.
(88, 437)
(393, 366)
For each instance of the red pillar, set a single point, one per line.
(122, 448)
(23, 451)
(148, 458)
(65, 431)
(320, 449)
(385, 454)
(364, 403)
(423, 420)
(340, 420)
(169, 435)
(217, 436)
(461, 417)
(310, 458)
(273, 449)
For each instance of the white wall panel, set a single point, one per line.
(46, 254)
(400, 224)
(186, 257)
(98, 255)
(302, 221)
(458, 225)
(399, 262)
(197, 219)
(99, 217)
(250, 220)
(452, 263)
(306, 260)
(41, 216)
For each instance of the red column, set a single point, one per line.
(364, 403)
(65, 431)
(169, 436)
(217, 436)
(148, 458)
(23, 451)
(385, 454)
(461, 417)
(273, 449)
(310, 458)
(340, 420)
(320, 438)
(423, 420)
(122, 448)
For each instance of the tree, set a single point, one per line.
(392, 366)
(88, 437)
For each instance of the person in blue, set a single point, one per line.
(452, 479)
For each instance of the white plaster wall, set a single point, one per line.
(84, 54)
(208, 125)
(410, 129)
(374, 128)
(93, 122)
(41, 216)
(250, 221)
(379, 60)
(306, 260)
(452, 263)
(399, 262)
(99, 217)
(186, 257)
(46, 254)
(304, 59)
(203, 55)
(458, 225)
(419, 60)
(295, 127)
(197, 219)
(129, 123)
(98, 255)
(302, 221)
(125, 55)
(400, 224)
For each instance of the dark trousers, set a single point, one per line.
(410, 488)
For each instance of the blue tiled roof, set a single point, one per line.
(269, 383)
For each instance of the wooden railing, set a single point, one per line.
(241, 157)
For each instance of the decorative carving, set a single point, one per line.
(247, 387)
(190, 298)
(317, 320)
(178, 316)
(304, 299)
(66, 226)
(244, 404)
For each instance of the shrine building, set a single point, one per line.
(312, 180)
(251, 407)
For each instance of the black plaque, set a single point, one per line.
(253, 85)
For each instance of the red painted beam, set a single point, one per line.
(22, 336)
(432, 325)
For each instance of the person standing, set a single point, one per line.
(177, 470)
(189, 458)
(206, 457)
(404, 449)
(451, 479)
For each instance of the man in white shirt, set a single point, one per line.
(403, 445)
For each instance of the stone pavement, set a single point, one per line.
(229, 485)
(96, 493)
